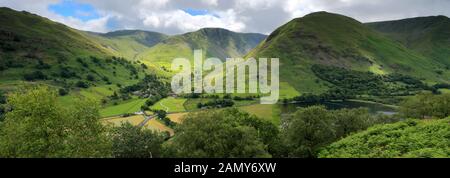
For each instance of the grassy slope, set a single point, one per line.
(331, 39)
(128, 43)
(27, 38)
(429, 36)
(170, 105)
(214, 42)
(409, 139)
(131, 106)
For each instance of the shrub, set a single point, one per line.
(82, 84)
(36, 75)
(63, 92)
(90, 77)
(407, 139)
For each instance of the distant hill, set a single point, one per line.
(429, 36)
(214, 42)
(334, 40)
(128, 43)
(37, 50)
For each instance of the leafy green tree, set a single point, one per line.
(161, 114)
(130, 141)
(217, 134)
(38, 126)
(426, 105)
(308, 130)
(82, 84)
(347, 121)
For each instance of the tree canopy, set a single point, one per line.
(130, 141)
(227, 133)
(38, 126)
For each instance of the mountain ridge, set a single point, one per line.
(429, 36)
(336, 40)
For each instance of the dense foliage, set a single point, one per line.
(216, 103)
(310, 129)
(227, 133)
(368, 83)
(426, 106)
(130, 141)
(409, 139)
(38, 126)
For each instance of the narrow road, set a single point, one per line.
(146, 119)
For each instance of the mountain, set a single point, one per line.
(334, 40)
(128, 43)
(38, 50)
(429, 36)
(214, 42)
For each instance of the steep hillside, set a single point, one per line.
(335, 40)
(214, 42)
(36, 50)
(428, 35)
(128, 43)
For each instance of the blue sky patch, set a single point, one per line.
(195, 12)
(71, 8)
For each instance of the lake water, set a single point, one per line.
(374, 108)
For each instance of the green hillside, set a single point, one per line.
(214, 42)
(408, 139)
(35, 50)
(334, 40)
(428, 35)
(128, 43)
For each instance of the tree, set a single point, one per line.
(348, 121)
(161, 114)
(90, 77)
(36, 75)
(308, 130)
(426, 105)
(130, 141)
(217, 134)
(82, 84)
(63, 92)
(38, 126)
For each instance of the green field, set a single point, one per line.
(170, 104)
(128, 107)
(264, 111)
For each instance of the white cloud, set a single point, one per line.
(97, 25)
(262, 16)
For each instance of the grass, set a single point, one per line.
(264, 111)
(117, 121)
(177, 117)
(129, 107)
(170, 105)
(445, 90)
(156, 125)
(287, 91)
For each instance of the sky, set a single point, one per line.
(181, 16)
